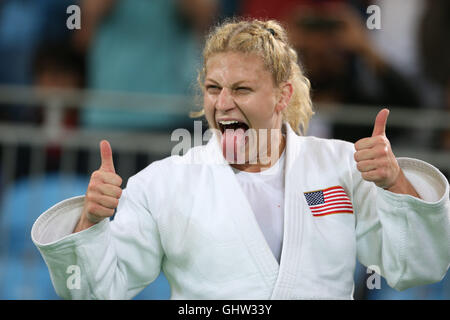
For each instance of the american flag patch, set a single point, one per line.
(328, 201)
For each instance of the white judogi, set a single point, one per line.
(189, 217)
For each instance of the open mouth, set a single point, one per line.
(233, 140)
(232, 125)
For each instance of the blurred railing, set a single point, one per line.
(52, 131)
(422, 122)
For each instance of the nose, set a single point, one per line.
(225, 100)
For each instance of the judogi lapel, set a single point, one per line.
(280, 278)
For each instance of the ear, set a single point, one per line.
(284, 98)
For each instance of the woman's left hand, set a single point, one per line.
(376, 161)
(374, 157)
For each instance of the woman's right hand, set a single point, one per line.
(103, 192)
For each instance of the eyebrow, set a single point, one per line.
(233, 85)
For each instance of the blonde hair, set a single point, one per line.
(269, 40)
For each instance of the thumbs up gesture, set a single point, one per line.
(103, 192)
(374, 157)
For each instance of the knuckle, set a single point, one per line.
(93, 185)
(90, 207)
(380, 139)
(89, 196)
(385, 142)
(96, 208)
(382, 173)
(383, 151)
(94, 175)
(359, 166)
(365, 176)
(109, 202)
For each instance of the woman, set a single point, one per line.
(284, 217)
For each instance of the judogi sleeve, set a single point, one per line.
(112, 259)
(406, 238)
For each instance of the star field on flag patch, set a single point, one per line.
(328, 201)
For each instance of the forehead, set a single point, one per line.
(235, 66)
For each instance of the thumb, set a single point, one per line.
(379, 129)
(106, 155)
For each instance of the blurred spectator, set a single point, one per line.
(434, 44)
(54, 65)
(229, 8)
(58, 65)
(397, 40)
(142, 46)
(435, 57)
(270, 9)
(343, 65)
(24, 25)
(339, 59)
(446, 134)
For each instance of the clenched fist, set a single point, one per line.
(376, 161)
(103, 192)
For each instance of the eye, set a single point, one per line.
(213, 89)
(243, 89)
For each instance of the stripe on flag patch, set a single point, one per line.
(328, 201)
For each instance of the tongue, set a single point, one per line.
(233, 143)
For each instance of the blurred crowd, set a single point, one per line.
(155, 47)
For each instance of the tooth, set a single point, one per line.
(228, 122)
